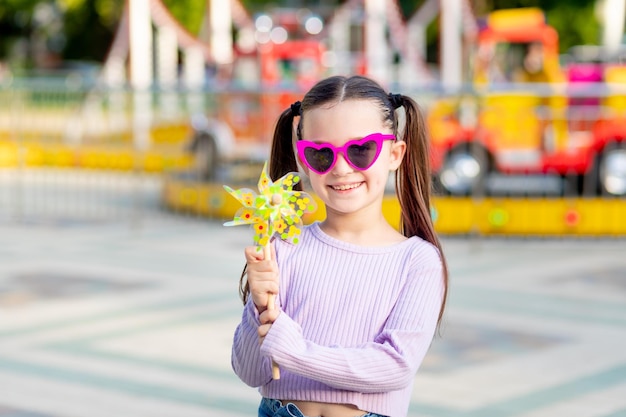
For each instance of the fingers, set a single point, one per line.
(253, 254)
(262, 331)
(263, 282)
(262, 287)
(262, 276)
(256, 253)
(269, 316)
(266, 318)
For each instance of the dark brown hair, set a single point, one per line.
(413, 177)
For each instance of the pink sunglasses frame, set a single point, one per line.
(378, 138)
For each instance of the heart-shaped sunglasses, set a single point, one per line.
(359, 153)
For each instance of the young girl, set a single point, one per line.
(357, 301)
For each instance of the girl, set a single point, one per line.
(357, 301)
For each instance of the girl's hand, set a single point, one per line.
(262, 276)
(267, 318)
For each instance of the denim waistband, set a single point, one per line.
(274, 408)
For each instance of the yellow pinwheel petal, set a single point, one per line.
(276, 209)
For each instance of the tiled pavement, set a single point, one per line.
(107, 318)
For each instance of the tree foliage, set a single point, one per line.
(15, 20)
(574, 20)
(85, 28)
(190, 13)
(89, 28)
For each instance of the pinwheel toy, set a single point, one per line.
(276, 210)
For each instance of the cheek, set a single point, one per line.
(318, 186)
(316, 181)
(385, 160)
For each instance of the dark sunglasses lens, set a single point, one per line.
(362, 156)
(319, 159)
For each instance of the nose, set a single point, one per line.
(342, 167)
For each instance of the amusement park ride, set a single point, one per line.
(530, 116)
(484, 117)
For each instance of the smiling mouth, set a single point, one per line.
(345, 187)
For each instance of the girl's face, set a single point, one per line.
(345, 189)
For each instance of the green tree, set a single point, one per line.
(69, 29)
(87, 27)
(15, 22)
(190, 13)
(574, 20)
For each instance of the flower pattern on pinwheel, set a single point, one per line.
(276, 209)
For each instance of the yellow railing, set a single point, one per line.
(494, 216)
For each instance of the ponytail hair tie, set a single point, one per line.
(296, 108)
(396, 100)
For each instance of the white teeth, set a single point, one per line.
(345, 187)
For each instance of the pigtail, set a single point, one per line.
(413, 177)
(414, 183)
(282, 156)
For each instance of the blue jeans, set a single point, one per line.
(274, 408)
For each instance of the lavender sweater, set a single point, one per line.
(355, 324)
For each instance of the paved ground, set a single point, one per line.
(132, 316)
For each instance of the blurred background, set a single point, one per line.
(520, 101)
(121, 120)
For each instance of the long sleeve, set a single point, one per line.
(246, 359)
(385, 364)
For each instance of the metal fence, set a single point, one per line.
(68, 151)
(69, 196)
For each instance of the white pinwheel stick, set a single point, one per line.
(271, 300)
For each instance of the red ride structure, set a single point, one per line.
(524, 116)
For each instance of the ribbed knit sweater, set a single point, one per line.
(355, 323)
